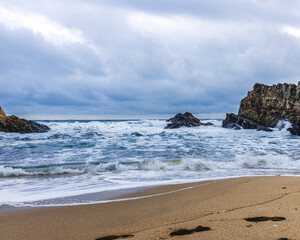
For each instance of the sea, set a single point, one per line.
(86, 162)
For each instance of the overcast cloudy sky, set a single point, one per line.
(142, 57)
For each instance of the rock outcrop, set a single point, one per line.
(265, 105)
(236, 122)
(15, 124)
(185, 120)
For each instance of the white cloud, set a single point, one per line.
(52, 31)
(293, 31)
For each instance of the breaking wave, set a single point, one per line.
(79, 157)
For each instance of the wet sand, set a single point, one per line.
(203, 210)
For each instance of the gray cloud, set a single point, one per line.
(142, 57)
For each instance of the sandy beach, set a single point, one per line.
(220, 207)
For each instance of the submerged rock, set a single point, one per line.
(265, 106)
(185, 120)
(207, 124)
(15, 124)
(263, 128)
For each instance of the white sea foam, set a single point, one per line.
(11, 172)
(94, 156)
(283, 125)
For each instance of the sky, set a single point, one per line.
(97, 58)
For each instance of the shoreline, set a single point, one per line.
(109, 196)
(116, 195)
(113, 195)
(220, 205)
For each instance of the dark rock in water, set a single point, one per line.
(207, 124)
(266, 105)
(234, 126)
(185, 120)
(295, 130)
(234, 121)
(262, 128)
(15, 124)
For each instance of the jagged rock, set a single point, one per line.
(234, 121)
(265, 105)
(15, 124)
(185, 120)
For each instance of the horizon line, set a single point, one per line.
(58, 117)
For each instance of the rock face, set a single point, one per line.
(185, 120)
(2, 113)
(295, 130)
(15, 124)
(266, 105)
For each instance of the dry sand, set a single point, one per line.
(221, 205)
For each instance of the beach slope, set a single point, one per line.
(220, 207)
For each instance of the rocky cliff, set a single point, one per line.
(15, 124)
(266, 105)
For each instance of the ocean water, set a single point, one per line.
(85, 157)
